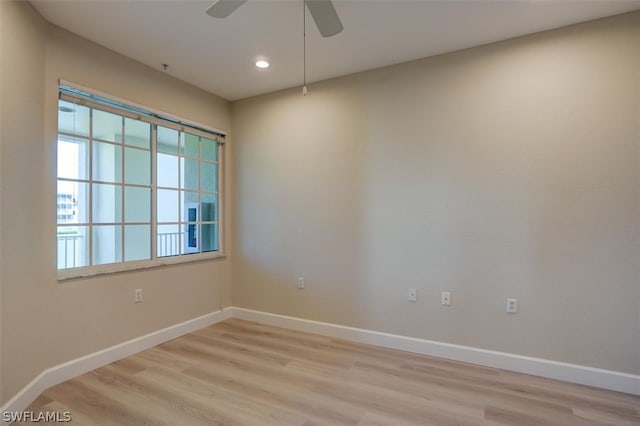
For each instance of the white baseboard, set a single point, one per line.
(606, 379)
(60, 373)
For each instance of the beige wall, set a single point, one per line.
(23, 50)
(510, 170)
(46, 322)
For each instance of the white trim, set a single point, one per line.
(68, 370)
(123, 101)
(135, 265)
(606, 379)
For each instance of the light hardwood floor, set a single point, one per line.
(243, 373)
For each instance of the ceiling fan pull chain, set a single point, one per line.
(304, 49)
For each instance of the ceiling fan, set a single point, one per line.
(322, 11)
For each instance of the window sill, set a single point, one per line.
(116, 268)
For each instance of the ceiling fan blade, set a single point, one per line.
(224, 8)
(325, 17)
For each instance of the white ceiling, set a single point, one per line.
(218, 55)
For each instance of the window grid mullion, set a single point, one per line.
(154, 193)
(90, 185)
(199, 218)
(73, 135)
(106, 182)
(219, 181)
(122, 189)
(181, 185)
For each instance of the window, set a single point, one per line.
(135, 188)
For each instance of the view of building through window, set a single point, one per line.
(131, 190)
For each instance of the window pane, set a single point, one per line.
(137, 133)
(167, 170)
(189, 174)
(137, 204)
(209, 237)
(105, 173)
(209, 149)
(209, 177)
(73, 118)
(107, 203)
(73, 246)
(209, 208)
(189, 145)
(107, 162)
(167, 205)
(137, 166)
(189, 211)
(137, 242)
(72, 202)
(73, 158)
(107, 126)
(107, 244)
(167, 140)
(168, 240)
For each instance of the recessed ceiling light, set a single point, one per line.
(262, 64)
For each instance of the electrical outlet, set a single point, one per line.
(137, 296)
(300, 283)
(412, 295)
(446, 298)
(512, 306)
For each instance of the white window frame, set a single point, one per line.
(154, 117)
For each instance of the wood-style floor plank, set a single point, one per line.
(242, 373)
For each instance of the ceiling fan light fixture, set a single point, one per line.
(261, 63)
